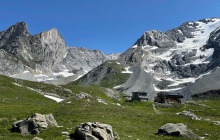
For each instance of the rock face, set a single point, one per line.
(176, 58)
(44, 56)
(41, 52)
(33, 124)
(84, 59)
(178, 129)
(155, 38)
(93, 131)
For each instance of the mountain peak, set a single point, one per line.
(19, 29)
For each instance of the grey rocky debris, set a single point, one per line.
(112, 93)
(189, 114)
(139, 81)
(93, 131)
(178, 129)
(34, 123)
(82, 95)
(204, 87)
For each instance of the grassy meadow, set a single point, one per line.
(131, 120)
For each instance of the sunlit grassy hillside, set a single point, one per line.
(131, 120)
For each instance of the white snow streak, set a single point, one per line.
(127, 70)
(54, 98)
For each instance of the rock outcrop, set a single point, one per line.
(178, 129)
(93, 131)
(33, 124)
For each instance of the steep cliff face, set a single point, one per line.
(40, 52)
(44, 56)
(83, 59)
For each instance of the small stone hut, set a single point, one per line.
(168, 97)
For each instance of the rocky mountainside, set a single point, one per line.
(175, 58)
(44, 56)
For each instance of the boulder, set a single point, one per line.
(33, 124)
(93, 131)
(82, 95)
(178, 129)
(37, 138)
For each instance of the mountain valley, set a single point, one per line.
(41, 74)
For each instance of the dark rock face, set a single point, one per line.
(184, 31)
(178, 129)
(155, 38)
(192, 70)
(33, 124)
(93, 131)
(214, 42)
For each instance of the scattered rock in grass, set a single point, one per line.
(67, 90)
(93, 131)
(112, 94)
(189, 114)
(37, 138)
(178, 129)
(65, 133)
(34, 123)
(101, 101)
(216, 122)
(82, 95)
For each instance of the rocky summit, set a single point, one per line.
(44, 56)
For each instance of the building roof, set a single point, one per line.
(176, 94)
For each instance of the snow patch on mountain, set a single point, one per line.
(179, 64)
(127, 70)
(54, 98)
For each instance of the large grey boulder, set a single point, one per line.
(178, 129)
(93, 131)
(34, 123)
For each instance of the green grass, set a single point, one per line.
(113, 78)
(135, 120)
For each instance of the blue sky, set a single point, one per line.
(108, 25)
